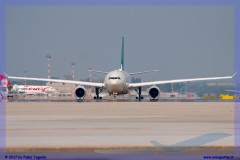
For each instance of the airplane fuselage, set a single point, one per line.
(116, 82)
(32, 89)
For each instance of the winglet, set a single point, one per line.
(234, 74)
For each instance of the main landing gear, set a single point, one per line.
(139, 91)
(97, 91)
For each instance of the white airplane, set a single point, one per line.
(33, 90)
(118, 82)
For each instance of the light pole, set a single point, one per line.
(73, 70)
(25, 75)
(90, 74)
(48, 56)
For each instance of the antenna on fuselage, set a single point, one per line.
(122, 55)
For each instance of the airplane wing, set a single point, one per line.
(92, 84)
(143, 84)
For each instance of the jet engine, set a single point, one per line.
(154, 92)
(80, 92)
(14, 88)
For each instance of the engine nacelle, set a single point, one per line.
(14, 88)
(154, 92)
(80, 92)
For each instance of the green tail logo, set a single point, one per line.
(122, 55)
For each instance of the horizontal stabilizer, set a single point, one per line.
(91, 70)
(143, 72)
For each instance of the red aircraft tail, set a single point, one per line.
(3, 79)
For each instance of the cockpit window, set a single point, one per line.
(114, 78)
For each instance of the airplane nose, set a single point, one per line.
(115, 87)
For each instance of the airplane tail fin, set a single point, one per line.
(122, 55)
(4, 81)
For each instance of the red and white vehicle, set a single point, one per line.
(33, 90)
(23, 89)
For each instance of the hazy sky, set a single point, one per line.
(182, 42)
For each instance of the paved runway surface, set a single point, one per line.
(90, 126)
